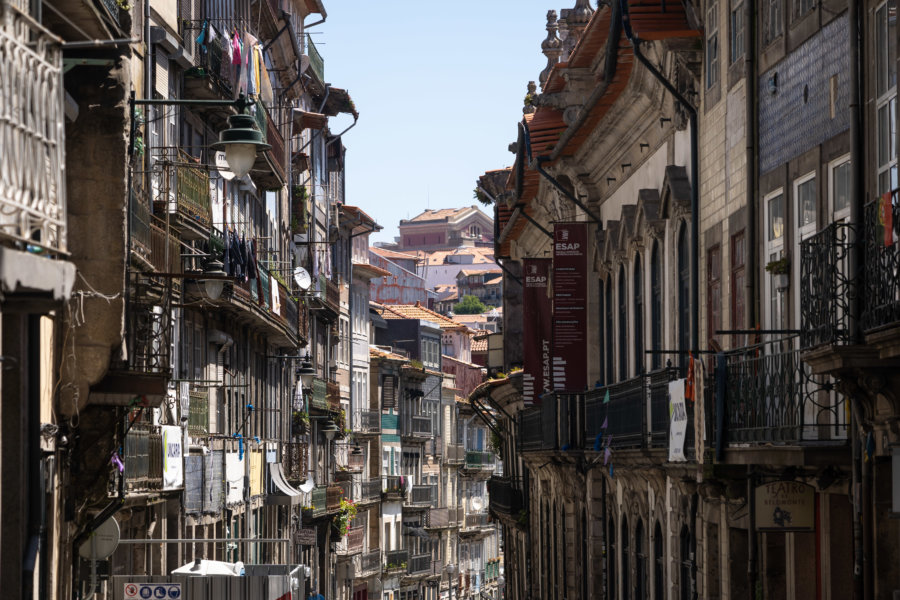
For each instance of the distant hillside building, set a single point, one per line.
(487, 286)
(446, 228)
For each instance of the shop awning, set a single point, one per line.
(280, 491)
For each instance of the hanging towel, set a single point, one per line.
(236, 49)
(201, 39)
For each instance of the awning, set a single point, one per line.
(281, 492)
(307, 120)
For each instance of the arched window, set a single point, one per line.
(638, 316)
(658, 564)
(626, 579)
(684, 309)
(602, 326)
(623, 326)
(640, 559)
(608, 307)
(656, 296)
(584, 554)
(686, 563)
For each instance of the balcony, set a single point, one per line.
(333, 496)
(318, 399)
(32, 188)
(771, 397)
(882, 261)
(417, 426)
(476, 520)
(826, 287)
(421, 495)
(268, 171)
(319, 501)
(419, 564)
(456, 454)
(332, 296)
(370, 490)
(368, 422)
(316, 63)
(396, 560)
(393, 488)
(442, 518)
(198, 413)
(333, 395)
(191, 204)
(142, 458)
(370, 563)
(294, 460)
(352, 543)
(505, 496)
(479, 461)
(211, 78)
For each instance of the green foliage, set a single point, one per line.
(416, 364)
(782, 266)
(345, 516)
(470, 305)
(495, 443)
(481, 197)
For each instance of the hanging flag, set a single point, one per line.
(689, 383)
(606, 454)
(605, 423)
(598, 442)
(870, 446)
(201, 39)
(606, 397)
(610, 470)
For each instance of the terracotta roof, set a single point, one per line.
(391, 253)
(417, 311)
(467, 272)
(441, 213)
(660, 20)
(479, 344)
(358, 213)
(479, 254)
(379, 353)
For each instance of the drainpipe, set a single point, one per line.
(695, 176)
(753, 284)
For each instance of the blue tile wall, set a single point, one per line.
(788, 127)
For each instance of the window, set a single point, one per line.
(737, 30)
(658, 563)
(802, 7)
(805, 193)
(640, 563)
(608, 305)
(839, 191)
(656, 295)
(886, 94)
(714, 290)
(773, 204)
(686, 564)
(712, 44)
(773, 20)
(738, 286)
(684, 284)
(638, 316)
(623, 327)
(626, 565)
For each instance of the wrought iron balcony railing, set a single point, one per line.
(396, 559)
(477, 520)
(368, 421)
(882, 265)
(420, 563)
(422, 494)
(370, 490)
(32, 142)
(826, 286)
(148, 325)
(772, 397)
(192, 191)
(477, 460)
(143, 456)
(352, 543)
(334, 493)
(456, 454)
(417, 426)
(370, 562)
(505, 496)
(294, 460)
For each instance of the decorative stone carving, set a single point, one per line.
(530, 98)
(551, 47)
(577, 20)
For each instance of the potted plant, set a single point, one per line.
(343, 518)
(299, 422)
(780, 270)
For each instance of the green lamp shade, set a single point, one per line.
(240, 141)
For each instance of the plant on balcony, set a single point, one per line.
(416, 364)
(299, 422)
(299, 195)
(522, 518)
(345, 515)
(495, 443)
(782, 266)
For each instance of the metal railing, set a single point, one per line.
(352, 543)
(370, 562)
(420, 563)
(370, 490)
(772, 397)
(476, 460)
(318, 399)
(882, 264)
(418, 426)
(192, 190)
(198, 413)
(148, 325)
(438, 517)
(368, 421)
(334, 493)
(319, 499)
(476, 520)
(422, 494)
(294, 460)
(456, 454)
(316, 63)
(826, 288)
(142, 458)
(333, 395)
(32, 140)
(505, 495)
(396, 559)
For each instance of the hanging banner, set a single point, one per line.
(234, 479)
(172, 458)
(256, 462)
(537, 329)
(677, 421)
(785, 506)
(570, 306)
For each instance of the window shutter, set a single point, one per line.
(389, 392)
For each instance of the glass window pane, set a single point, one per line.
(841, 186)
(776, 217)
(806, 202)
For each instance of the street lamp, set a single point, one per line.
(306, 373)
(214, 279)
(330, 430)
(501, 583)
(240, 142)
(451, 571)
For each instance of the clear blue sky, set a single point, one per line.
(439, 88)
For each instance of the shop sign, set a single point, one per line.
(154, 591)
(785, 506)
(570, 306)
(172, 458)
(678, 421)
(537, 329)
(305, 537)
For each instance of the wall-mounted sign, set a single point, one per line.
(173, 459)
(305, 537)
(785, 506)
(537, 329)
(570, 245)
(154, 591)
(678, 421)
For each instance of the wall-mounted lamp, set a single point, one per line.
(214, 279)
(306, 373)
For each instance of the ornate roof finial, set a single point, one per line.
(530, 99)
(578, 18)
(551, 47)
(564, 34)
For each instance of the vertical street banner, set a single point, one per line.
(678, 421)
(537, 329)
(172, 458)
(570, 246)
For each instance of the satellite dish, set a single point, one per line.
(102, 542)
(302, 278)
(304, 64)
(222, 166)
(477, 503)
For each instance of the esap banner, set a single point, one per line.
(537, 329)
(173, 457)
(570, 246)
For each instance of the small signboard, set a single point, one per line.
(305, 537)
(152, 591)
(785, 506)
